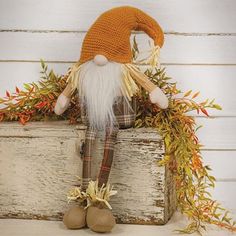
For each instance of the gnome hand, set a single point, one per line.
(63, 100)
(159, 98)
(62, 104)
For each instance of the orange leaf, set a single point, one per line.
(50, 96)
(204, 111)
(40, 105)
(8, 94)
(17, 90)
(1, 117)
(22, 120)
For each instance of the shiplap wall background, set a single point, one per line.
(199, 53)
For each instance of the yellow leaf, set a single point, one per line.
(167, 140)
(195, 95)
(188, 93)
(216, 106)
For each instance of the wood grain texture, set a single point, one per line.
(222, 163)
(67, 46)
(213, 82)
(40, 162)
(225, 193)
(214, 16)
(217, 133)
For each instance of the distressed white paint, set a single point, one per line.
(40, 162)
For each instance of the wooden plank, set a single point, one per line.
(212, 81)
(66, 47)
(15, 74)
(33, 46)
(181, 16)
(53, 166)
(222, 163)
(217, 133)
(42, 169)
(47, 129)
(216, 159)
(225, 193)
(40, 162)
(197, 78)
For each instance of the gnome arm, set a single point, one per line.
(155, 93)
(63, 100)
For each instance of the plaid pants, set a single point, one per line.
(125, 117)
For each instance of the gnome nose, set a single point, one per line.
(100, 60)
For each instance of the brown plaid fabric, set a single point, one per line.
(109, 146)
(87, 158)
(125, 113)
(125, 116)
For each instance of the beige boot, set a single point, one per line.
(99, 216)
(100, 219)
(75, 218)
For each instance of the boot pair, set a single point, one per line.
(96, 214)
(97, 219)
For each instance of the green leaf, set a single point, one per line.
(216, 106)
(42, 63)
(27, 86)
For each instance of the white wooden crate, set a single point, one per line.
(39, 163)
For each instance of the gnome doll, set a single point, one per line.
(106, 80)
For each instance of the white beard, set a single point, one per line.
(99, 87)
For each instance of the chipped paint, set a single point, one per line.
(40, 162)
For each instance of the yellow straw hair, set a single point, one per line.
(153, 59)
(131, 74)
(74, 75)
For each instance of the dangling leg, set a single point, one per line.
(87, 158)
(75, 217)
(99, 218)
(125, 117)
(110, 140)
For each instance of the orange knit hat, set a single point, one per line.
(110, 34)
